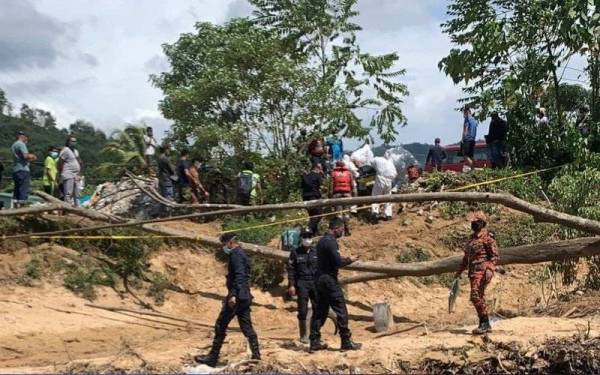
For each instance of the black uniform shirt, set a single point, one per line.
(329, 259)
(238, 276)
(302, 265)
(311, 185)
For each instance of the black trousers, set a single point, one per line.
(306, 291)
(329, 295)
(242, 311)
(315, 217)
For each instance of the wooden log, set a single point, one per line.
(527, 254)
(540, 214)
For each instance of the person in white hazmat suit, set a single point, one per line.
(384, 181)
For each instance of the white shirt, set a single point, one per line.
(150, 145)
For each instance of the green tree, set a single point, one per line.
(125, 151)
(347, 79)
(3, 102)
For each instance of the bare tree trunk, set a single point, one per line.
(540, 214)
(528, 254)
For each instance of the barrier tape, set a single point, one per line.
(288, 221)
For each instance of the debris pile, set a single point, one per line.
(125, 199)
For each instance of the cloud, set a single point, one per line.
(157, 64)
(44, 86)
(88, 59)
(28, 38)
(238, 8)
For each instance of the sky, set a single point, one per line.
(91, 59)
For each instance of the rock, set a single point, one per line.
(406, 222)
(420, 212)
(124, 199)
(429, 219)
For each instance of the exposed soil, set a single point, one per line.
(46, 328)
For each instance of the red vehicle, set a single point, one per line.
(456, 163)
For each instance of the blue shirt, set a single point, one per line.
(19, 150)
(471, 125)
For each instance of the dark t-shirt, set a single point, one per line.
(311, 185)
(182, 165)
(165, 171)
(328, 255)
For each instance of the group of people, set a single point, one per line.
(313, 278)
(62, 171)
(495, 139)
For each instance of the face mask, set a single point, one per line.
(54, 154)
(476, 225)
(72, 145)
(226, 250)
(306, 242)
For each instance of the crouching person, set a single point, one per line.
(237, 303)
(302, 267)
(480, 259)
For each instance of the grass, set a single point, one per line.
(33, 271)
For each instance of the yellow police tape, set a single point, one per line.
(288, 221)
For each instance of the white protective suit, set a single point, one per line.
(384, 181)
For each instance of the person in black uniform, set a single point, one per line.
(329, 292)
(237, 303)
(310, 183)
(302, 267)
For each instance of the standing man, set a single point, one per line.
(70, 167)
(480, 259)
(50, 178)
(21, 171)
(469, 136)
(183, 177)
(151, 147)
(385, 175)
(329, 292)
(496, 139)
(302, 268)
(249, 187)
(310, 183)
(335, 149)
(342, 186)
(199, 193)
(436, 155)
(237, 303)
(166, 174)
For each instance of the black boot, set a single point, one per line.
(484, 326)
(213, 356)
(348, 344)
(303, 333)
(254, 347)
(316, 345)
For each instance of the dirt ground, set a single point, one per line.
(46, 328)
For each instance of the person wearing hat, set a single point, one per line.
(236, 303)
(436, 155)
(480, 259)
(21, 171)
(329, 291)
(301, 268)
(542, 119)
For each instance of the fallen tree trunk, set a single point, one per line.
(55, 204)
(540, 214)
(527, 254)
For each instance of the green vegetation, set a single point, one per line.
(159, 284)
(83, 277)
(33, 271)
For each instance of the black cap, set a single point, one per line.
(336, 222)
(226, 237)
(306, 233)
(21, 132)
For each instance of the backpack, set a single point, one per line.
(245, 185)
(290, 239)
